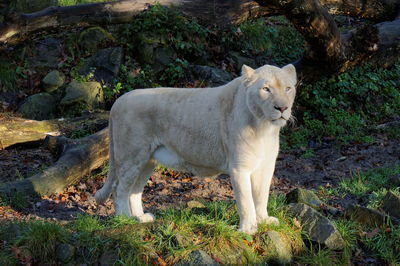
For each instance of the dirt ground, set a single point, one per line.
(164, 189)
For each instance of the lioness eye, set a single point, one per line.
(288, 89)
(267, 89)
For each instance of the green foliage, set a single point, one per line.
(364, 90)
(188, 38)
(343, 107)
(281, 43)
(174, 72)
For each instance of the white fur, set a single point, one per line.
(232, 129)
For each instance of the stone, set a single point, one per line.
(105, 63)
(53, 80)
(277, 251)
(92, 38)
(394, 181)
(29, 6)
(368, 217)
(391, 204)
(300, 195)
(197, 257)
(41, 106)
(242, 60)
(319, 228)
(65, 252)
(109, 257)
(47, 52)
(81, 96)
(213, 76)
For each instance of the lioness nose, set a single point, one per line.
(280, 108)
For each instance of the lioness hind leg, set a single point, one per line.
(135, 193)
(128, 173)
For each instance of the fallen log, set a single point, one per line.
(78, 158)
(15, 130)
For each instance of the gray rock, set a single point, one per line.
(394, 181)
(53, 80)
(109, 257)
(213, 76)
(391, 204)
(242, 60)
(41, 106)
(198, 257)
(319, 228)
(106, 64)
(92, 38)
(368, 217)
(305, 196)
(82, 96)
(47, 53)
(277, 251)
(29, 6)
(65, 252)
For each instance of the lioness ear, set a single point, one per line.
(291, 70)
(247, 72)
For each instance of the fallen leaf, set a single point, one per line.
(373, 233)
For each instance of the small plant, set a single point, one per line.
(174, 72)
(16, 200)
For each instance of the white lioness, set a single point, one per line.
(232, 129)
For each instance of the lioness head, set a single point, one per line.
(270, 92)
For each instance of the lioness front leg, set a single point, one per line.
(260, 185)
(242, 188)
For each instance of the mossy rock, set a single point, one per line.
(241, 60)
(42, 106)
(154, 50)
(300, 195)
(106, 64)
(278, 252)
(91, 39)
(80, 97)
(53, 80)
(29, 6)
(318, 228)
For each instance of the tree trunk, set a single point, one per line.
(327, 51)
(17, 27)
(78, 159)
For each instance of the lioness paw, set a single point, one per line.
(250, 230)
(146, 218)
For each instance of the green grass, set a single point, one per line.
(365, 183)
(16, 200)
(41, 239)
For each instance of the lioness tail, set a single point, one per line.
(102, 195)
